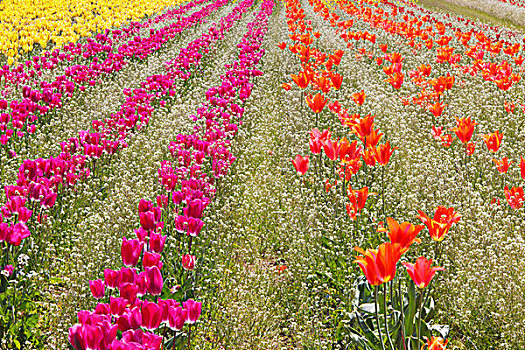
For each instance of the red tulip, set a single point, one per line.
(359, 97)
(317, 102)
(464, 129)
(503, 165)
(301, 164)
(379, 266)
(522, 168)
(421, 272)
(404, 234)
(493, 140)
(331, 149)
(382, 153)
(514, 196)
(440, 224)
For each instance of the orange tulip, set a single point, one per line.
(514, 197)
(436, 109)
(379, 266)
(382, 153)
(374, 138)
(282, 46)
(337, 80)
(302, 79)
(503, 165)
(404, 234)
(493, 140)
(425, 69)
(359, 97)
(443, 220)
(317, 102)
(464, 129)
(436, 343)
(396, 80)
(421, 272)
(363, 129)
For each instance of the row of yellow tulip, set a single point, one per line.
(53, 23)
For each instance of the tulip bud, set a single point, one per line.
(188, 262)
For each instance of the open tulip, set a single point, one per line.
(317, 102)
(493, 140)
(403, 234)
(379, 266)
(514, 197)
(464, 129)
(440, 224)
(301, 164)
(421, 272)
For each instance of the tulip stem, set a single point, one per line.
(383, 191)
(402, 308)
(386, 320)
(377, 320)
(189, 336)
(419, 320)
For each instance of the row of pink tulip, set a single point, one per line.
(139, 319)
(38, 101)
(39, 181)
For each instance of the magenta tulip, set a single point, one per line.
(151, 315)
(130, 251)
(97, 288)
(156, 242)
(111, 278)
(177, 317)
(154, 280)
(194, 310)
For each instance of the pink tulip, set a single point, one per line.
(177, 317)
(156, 242)
(194, 310)
(111, 278)
(151, 259)
(154, 280)
(97, 288)
(130, 251)
(151, 315)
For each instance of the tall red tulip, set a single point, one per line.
(440, 224)
(464, 129)
(514, 196)
(403, 234)
(379, 266)
(317, 102)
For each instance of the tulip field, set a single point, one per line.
(260, 174)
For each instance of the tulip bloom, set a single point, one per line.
(503, 165)
(194, 310)
(188, 262)
(301, 164)
(439, 226)
(379, 266)
(302, 80)
(421, 272)
(151, 315)
(130, 251)
(514, 196)
(111, 278)
(404, 234)
(382, 153)
(177, 317)
(154, 281)
(317, 102)
(493, 140)
(522, 168)
(359, 97)
(436, 343)
(97, 288)
(464, 129)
